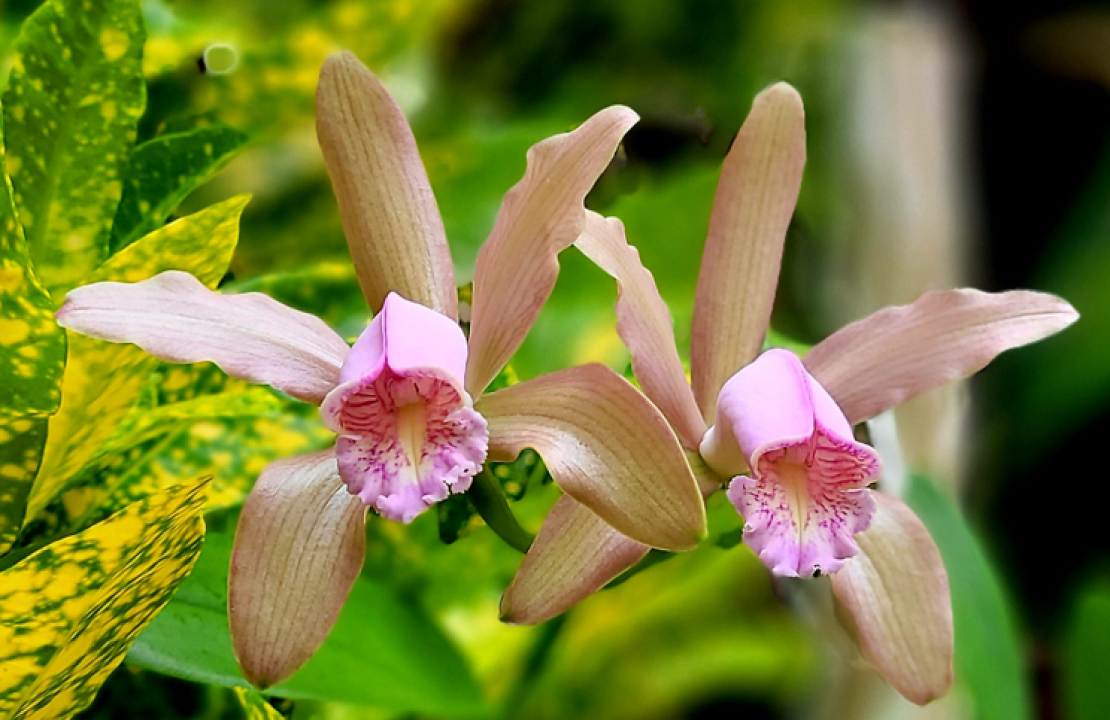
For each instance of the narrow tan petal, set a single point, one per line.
(888, 357)
(895, 592)
(540, 217)
(644, 323)
(574, 555)
(298, 551)
(606, 446)
(389, 213)
(740, 267)
(174, 317)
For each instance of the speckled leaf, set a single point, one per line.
(133, 463)
(176, 383)
(233, 450)
(163, 172)
(102, 379)
(21, 443)
(233, 444)
(75, 94)
(32, 356)
(70, 611)
(255, 706)
(146, 424)
(32, 346)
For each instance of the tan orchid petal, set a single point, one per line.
(644, 323)
(540, 217)
(389, 213)
(298, 551)
(740, 266)
(251, 336)
(888, 357)
(574, 555)
(895, 593)
(606, 446)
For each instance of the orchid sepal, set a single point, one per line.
(894, 598)
(607, 446)
(898, 352)
(389, 212)
(298, 550)
(174, 317)
(540, 216)
(754, 202)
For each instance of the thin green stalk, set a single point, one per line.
(486, 496)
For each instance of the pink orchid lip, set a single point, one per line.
(409, 435)
(806, 494)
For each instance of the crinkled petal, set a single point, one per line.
(740, 266)
(250, 336)
(540, 217)
(644, 323)
(804, 525)
(607, 446)
(408, 434)
(805, 496)
(389, 213)
(888, 357)
(298, 551)
(895, 593)
(379, 468)
(574, 555)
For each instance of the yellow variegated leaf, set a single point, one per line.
(222, 427)
(102, 379)
(233, 451)
(126, 467)
(255, 706)
(74, 97)
(21, 443)
(32, 355)
(69, 612)
(32, 346)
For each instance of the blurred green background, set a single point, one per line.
(949, 143)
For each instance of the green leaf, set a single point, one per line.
(32, 346)
(382, 653)
(988, 654)
(329, 290)
(69, 612)
(1086, 657)
(74, 98)
(32, 357)
(157, 422)
(163, 172)
(255, 706)
(192, 420)
(21, 443)
(133, 463)
(103, 380)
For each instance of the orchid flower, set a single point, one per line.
(406, 400)
(782, 426)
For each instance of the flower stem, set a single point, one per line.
(486, 496)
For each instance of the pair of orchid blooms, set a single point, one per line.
(406, 400)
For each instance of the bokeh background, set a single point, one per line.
(950, 143)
